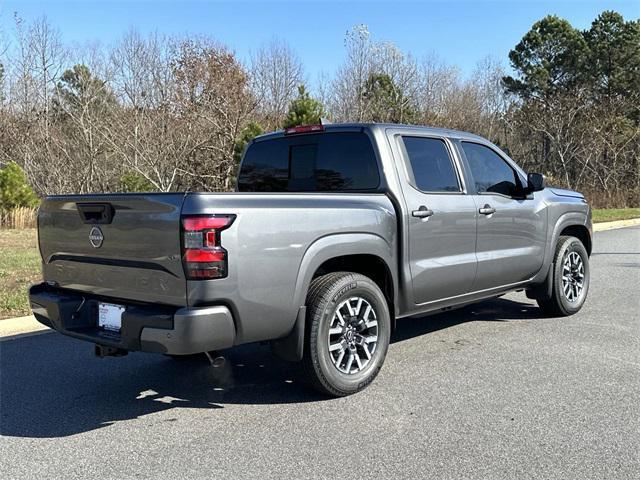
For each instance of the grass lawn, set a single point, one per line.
(611, 214)
(19, 267)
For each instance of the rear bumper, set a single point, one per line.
(145, 327)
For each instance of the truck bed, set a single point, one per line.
(140, 256)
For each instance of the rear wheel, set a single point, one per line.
(347, 333)
(570, 282)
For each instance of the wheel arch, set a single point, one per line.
(573, 223)
(364, 253)
(576, 223)
(371, 266)
(581, 233)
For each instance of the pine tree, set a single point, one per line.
(15, 191)
(304, 110)
(386, 102)
(549, 58)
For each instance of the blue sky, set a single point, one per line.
(460, 32)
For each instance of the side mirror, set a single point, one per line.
(535, 182)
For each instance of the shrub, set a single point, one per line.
(15, 191)
(134, 182)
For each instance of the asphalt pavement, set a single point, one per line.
(490, 391)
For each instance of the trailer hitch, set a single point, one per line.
(105, 351)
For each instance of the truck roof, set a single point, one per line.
(446, 132)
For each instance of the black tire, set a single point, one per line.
(325, 295)
(558, 305)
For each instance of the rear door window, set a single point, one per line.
(432, 167)
(310, 163)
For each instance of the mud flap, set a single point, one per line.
(544, 290)
(291, 347)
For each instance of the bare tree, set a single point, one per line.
(491, 97)
(401, 68)
(556, 124)
(23, 85)
(49, 57)
(185, 107)
(162, 113)
(347, 100)
(367, 62)
(276, 72)
(39, 57)
(437, 83)
(142, 131)
(213, 91)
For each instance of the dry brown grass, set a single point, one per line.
(20, 218)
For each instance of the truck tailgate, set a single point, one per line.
(121, 245)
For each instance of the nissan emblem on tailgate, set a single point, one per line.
(95, 237)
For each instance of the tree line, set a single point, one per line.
(160, 113)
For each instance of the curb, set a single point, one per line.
(602, 226)
(18, 327)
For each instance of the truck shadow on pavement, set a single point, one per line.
(53, 386)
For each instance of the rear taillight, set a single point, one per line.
(202, 254)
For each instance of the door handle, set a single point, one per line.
(487, 210)
(422, 212)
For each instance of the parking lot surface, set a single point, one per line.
(489, 391)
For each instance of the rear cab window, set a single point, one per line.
(321, 162)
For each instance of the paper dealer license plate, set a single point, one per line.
(110, 316)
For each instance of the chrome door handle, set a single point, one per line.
(422, 212)
(487, 210)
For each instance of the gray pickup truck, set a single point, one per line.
(334, 232)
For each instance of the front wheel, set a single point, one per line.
(347, 333)
(570, 282)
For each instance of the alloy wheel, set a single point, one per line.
(353, 335)
(572, 276)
